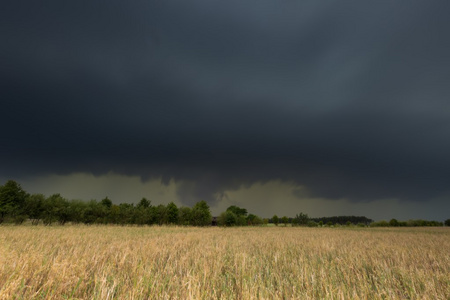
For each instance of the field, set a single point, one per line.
(109, 262)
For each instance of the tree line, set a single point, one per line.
(17, 206)
(410, 223)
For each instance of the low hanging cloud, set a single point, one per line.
(349, 100)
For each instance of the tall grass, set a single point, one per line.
(108, 262)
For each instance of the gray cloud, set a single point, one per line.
(348, 99)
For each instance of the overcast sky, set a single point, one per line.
(322, 107)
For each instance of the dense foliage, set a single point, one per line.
(17, 206)
(409, 223)
(343, 220)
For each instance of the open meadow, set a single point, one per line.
(113, 262)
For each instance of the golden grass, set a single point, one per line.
(109, 262)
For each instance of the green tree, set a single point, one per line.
(184, 215)
(237, 210)
(254, 220)
(379, 224)
(393, 223)
(257, 221)
(144, 213)
(241, 221)
(115, 214)
(275, 220)
(447, 222)
(311, 223)
(227, 218)
(93, 213)
(201, 214)
(62, 208)
(285, 220)
(55, 209)
(301, 219)
(34, 207)
(172, 213)
(104, 211)
(12, 200)
(161, 214)
(77, 208)
(150, 215)
(144, 203)
(125, 213)
(106, 202)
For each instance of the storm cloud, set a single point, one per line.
(348, 99)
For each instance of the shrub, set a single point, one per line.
(312, 224)
(379, 224)
(393, 223)
(227, 218)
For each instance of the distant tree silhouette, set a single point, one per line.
(106, 202)
(237, 210)
(254, 220)
(12, 201)
(301, 219)
(275, 220)
(393, 223)
(144, 203)
(34, 207)
(201, 214)
(342, 220)
(16, 206)
(227, 218)
(185, 216)
(172, 213)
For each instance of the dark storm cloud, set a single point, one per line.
(349, 99)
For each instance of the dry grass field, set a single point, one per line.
(108, 262)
